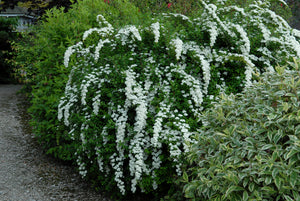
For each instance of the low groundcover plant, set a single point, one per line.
(249, 146)
(135, 94)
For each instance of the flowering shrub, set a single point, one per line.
(40, 63)
(249, 146)
(135, 94)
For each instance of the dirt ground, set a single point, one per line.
(26, 173)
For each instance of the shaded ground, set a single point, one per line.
(26, 174)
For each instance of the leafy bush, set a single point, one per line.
(134, 94)
(249, 146)
(40, 63)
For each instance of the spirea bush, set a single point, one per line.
(40, 63)
(249, 146)
(135, 94)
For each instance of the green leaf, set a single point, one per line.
(297, 130)
(274, 156)
(222, 134)
(232, 177)
(245, 182)
(272, 116)
(250, 140)
(257, 194)
(189, 194)
(279, 93)
(278, 182)
(233, 188)
(267, 146)
(290, 154)
(268, 180)
(288, 198)
(270, 136)
(286, 106)
(290, 94)
(268, 190)
(185, 177)
(251, 187)
(294, 137)
(294, 177)
(189, 190)
(245, 196)
(278, 136)
(296, 195)
(275, 172)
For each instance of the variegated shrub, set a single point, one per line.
(249, 146)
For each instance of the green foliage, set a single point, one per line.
(249, 145)
(24, 70)
(40, 62)
(194, 8)
(7, 36)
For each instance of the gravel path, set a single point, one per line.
(26, 173)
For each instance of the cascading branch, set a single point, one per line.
(134, 95)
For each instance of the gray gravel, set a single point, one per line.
(26, 173)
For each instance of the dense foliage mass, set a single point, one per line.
(38, 7)
(135, 94)
(249, 146)
(7, 36)
(193, 7)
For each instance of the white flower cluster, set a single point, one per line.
(125, 32)
(260, 18)
(213, 29)
(155, 28)
(245, 47)
(69, 52)
(146, 109)
(177, 43)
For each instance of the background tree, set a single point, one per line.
(7, 26)
(295, 7)
(37, 7)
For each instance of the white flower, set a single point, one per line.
(296, 33)
(125, 32)
(249, 71)
(103, 21)
(178, 44)
(102, 32)
(69, 52)
(245, 49)
(98, 48)
(213, 31)
(155, 28)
